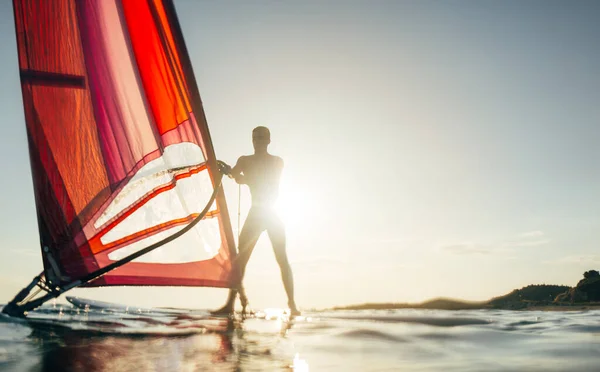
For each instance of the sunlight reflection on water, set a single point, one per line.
(299, 365)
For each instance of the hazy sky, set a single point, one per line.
(432, 148)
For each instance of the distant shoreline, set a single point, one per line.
(451, 304)
(534, 297)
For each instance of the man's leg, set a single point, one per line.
(276, 233)
(248, 237)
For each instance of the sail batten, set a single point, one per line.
(52, 79)
(120, 150)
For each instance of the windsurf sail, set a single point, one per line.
(120, 151)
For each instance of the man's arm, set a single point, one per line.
(238, 170)
(278, 168)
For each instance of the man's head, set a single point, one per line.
(261, 137)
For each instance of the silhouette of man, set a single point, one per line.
(261, 172)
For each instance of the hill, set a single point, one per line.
(437, 303)
(586, 290)
(537, 295)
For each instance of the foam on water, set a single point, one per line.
(71, 339)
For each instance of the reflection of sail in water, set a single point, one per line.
(72, 351)
(81, 340)
(120, 151)
(225, 350)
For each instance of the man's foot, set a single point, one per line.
(294, 309)
(225, 310)
(245, 303)
(246, 309)
(243, 299)
(247, 312)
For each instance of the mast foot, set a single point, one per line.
(18, 306)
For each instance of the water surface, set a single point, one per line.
(64, 338)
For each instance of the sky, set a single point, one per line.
(432, 149)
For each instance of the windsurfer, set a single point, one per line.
(261, 172)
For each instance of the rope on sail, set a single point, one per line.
(94, 275)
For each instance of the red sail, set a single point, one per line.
(120, 150)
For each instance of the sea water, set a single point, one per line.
(64, 338)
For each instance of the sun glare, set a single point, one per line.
(294, 206)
